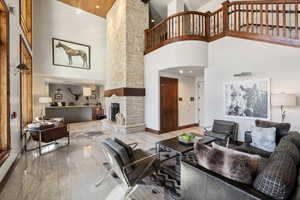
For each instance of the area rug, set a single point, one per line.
(167, 177)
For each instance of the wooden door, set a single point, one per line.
(168, 104)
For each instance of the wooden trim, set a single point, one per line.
(153, 131)
(176, 39)
(26, 24)
(125, 92)
(216, 37)
(5, 140)
(29, 90)
(179, 128)
(9, 172)
(188, 126)
(3, 156)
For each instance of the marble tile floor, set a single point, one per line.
(70, 173)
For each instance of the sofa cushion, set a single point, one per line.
(282, 129)
(264, 138)
(278, 178)
(229, 164)
(254, 159)
(247, 148)
(127, 147)
(289, 148)
(294, 137)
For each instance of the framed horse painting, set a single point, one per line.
(71, 54)
(248, 99)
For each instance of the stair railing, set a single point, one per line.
(275, 21)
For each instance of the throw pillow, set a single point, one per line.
(278, 178)
(264, 138)
(288, 148)
(254, 159)
(232, 166)
(282, 129)
(293, 137)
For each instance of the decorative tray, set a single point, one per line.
(188, 138)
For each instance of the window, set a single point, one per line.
(26, 19)
(26, 84)
(4, 81)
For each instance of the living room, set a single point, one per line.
(138, 99)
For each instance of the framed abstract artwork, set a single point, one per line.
(248, 99)
(71, 54)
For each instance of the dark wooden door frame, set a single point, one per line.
(175, 108)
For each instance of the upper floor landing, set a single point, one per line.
(274, 21)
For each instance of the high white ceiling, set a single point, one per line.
(161, 5)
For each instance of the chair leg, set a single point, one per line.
(128, 192)
(102, 179)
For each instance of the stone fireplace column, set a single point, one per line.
(126, 22)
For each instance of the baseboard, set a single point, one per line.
(188, 126)
(179, 128)
(152, 131)
(9, 172)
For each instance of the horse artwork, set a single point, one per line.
(248, 99)
(70, 54)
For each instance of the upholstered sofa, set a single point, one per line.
(277, 178)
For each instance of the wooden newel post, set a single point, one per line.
(226, 15)
(207, 25)
(146, 38)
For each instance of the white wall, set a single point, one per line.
(186, 90)
(175, 6)
(15, 32)
(228, 56)
(179, 54)
(212, 5)
(200, 100)
(53, 19)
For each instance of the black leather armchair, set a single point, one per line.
(223, 130)
(129, 164)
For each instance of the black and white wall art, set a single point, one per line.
(248, 99)
(71, 54)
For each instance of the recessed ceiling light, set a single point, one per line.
(97, 6)
(191, 71)
(181, 71)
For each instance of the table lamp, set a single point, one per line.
(44, 101)
(87, 92)
(284, 100)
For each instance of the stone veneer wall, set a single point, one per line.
(126, 22)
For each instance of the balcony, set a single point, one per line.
(275, 21)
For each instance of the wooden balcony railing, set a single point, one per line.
(178, 27)
(275, 21)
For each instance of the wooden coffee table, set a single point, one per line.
(177, 147)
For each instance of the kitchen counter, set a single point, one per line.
(71, 114)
